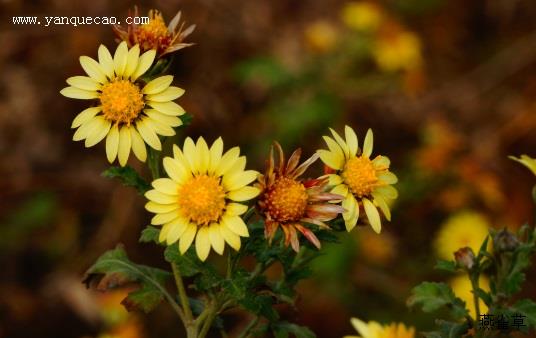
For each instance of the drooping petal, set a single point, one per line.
(138, 146)
(187, 237)
(112, 143)
(352, 212)
(216, 239)
(372, 215)
(202, 243)
(124, 145)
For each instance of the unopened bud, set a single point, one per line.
(465, 258)
(505, 241)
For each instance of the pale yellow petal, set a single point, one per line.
(235, 209)
(341, 189)
(124, 145)
(227, 161)
(215, 155)
(387, 191)
(144, 63)
(175, 170)
(179, 156)
(84, 116)
(230, 237)
(334, 179)
(187, 238)
(381, 162)
(236, 225)
(367, 146)
(387, 177)
(112, 143)
(380, 202)
(106, 61)
(98, 133)
(243, 194)
(178, 228)
(163, 218)
(238, 167)
(341, 143)
(332, 160)
(351, 140)
(172, 121)
(120, 59)
(84, 83)
(148, 135)
(157, 85)
(168, 108)
(351, 215)
(159, 128)
(160, 208)
(138, 146)
(203, 155)
(163, 233)
(82, 132)
(169, 94)
(166, 185)
(372, 215)
(159, 197)
(190, 153)
(361, 327)
(77, 93)
(132, 61)
(93, 69)
(239, 179)
(216, 239)
(202, 243)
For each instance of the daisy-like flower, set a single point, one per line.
(128, 112)
(155, 34)
(463, 229)
(288, 202)
(361, 180)
(376, 330)
(527, 161)
(201, 198)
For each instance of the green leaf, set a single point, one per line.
(150, 234)
(449, 266)
(113, 270)
(263, 71)
(283, 329)
(129, 177)
(433, 296)
(521, 260)
(527, 308)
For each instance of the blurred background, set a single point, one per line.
(448, 87)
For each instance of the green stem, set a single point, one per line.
(474, 283)
(185, 303)
(153, 161)
(211, 314)
(249, 327)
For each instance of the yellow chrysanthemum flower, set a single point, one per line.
(200, 199)
(376, 330)
(361, 16)
(527, 161)
(321, 36)
(462, 288)
(359, 179)
(398, 51)
(463, 229)
(129, 112)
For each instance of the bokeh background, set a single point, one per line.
(448, 87)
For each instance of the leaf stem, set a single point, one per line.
(185, 303)
(474, 284)
(153, 161)
(249, 327)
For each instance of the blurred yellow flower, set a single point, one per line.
(359, 179)
(128, 112)
(463, 229)
(321, 36)
(201, 198)
(397, 51)
(377, 249)
(361, 16)
(527, 161)
(376, 330)
(462, 288)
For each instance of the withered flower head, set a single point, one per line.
(288, 202)
(155, 34)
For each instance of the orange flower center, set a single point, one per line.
(153, 35)
(202, 199)
(121, 101)
(360, 175)
(286, 200)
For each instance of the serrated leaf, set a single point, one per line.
(447, 330)
(129, 177)
(150, 234)
(283, 329)
(449, 266)
(113, 269)
(433, 296)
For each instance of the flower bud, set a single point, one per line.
(505, 241)
(465, 258)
